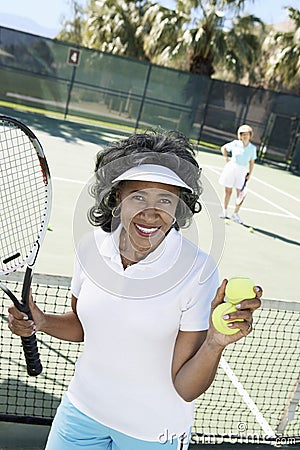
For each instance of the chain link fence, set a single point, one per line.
(52, 75)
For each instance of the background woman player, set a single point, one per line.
(238, 168)
(141, 304)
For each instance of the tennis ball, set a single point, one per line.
(251, 230)
(238, 289)
(219, 323)
(49, 228)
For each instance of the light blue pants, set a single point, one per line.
(73, 430)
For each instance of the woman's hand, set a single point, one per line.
(66, 326)
(244, 311)
(18, 322)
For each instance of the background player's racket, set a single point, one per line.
(243, 192)
(25, 202)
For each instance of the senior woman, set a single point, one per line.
(238, 168)
(140, 304)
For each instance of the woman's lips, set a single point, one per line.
(146, 231)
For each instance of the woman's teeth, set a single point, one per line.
(146, 230)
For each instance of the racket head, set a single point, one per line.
(26, 195)
(242, 194)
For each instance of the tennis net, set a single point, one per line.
(254, 398)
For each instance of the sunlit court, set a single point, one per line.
(152, 303)
(265, 248)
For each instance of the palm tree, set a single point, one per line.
(72, 30)
(114, 26)
(283, 66)
(161, 27)
(138, 29)
(210, 43)
(192, 37)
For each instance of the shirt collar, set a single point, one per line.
(158, 261)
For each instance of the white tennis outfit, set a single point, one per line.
(235, 170)
(131, 319)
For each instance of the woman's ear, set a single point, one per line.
(118, 197)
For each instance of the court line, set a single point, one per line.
(275, 205)
(219, 170)
(289, 214)
(258, 211)
(286, 214)
(277, 189)
(247, 399)
(69, 180)
(267, 213)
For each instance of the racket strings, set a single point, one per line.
(24, 195)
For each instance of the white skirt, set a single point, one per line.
(233, 175)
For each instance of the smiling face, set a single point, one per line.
(147, 214)
(245, 137)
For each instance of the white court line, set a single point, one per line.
(217, 169)
(285, 211)
(288, 213)
(256, 211)
(276, 189)
(267, 213)
(69, 180)
(247, 399)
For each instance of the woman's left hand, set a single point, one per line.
(244, 311)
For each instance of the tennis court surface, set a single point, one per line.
(255, 397)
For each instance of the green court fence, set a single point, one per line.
(254, 398)
(55, 76)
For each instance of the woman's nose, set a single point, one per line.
(150, 214)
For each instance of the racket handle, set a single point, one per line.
(32, 357)
(30, 347)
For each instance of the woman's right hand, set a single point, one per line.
(20, 324)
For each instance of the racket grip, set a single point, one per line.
(32, 357)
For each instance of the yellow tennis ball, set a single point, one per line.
(238, 289)
(219, 323)
(251, 230)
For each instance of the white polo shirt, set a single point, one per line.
(131, 319)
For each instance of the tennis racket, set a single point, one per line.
(25, 204)
(243, 192)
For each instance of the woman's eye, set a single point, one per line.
(140, 198)
(165, 201)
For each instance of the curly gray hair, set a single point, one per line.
(167, 148)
